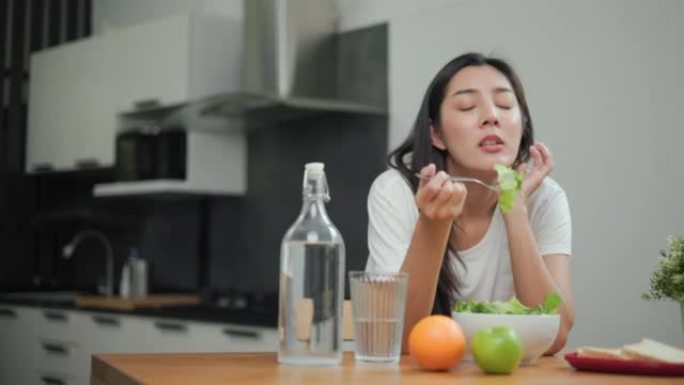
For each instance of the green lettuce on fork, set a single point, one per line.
(513, 306)
(510, 183)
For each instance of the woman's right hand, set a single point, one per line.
(439, 199)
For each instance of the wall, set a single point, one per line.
(109, 14)
(604, 84)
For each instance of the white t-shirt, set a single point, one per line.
(392, 214)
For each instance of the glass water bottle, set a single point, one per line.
(311, 281)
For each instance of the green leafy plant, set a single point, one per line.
(513, 306)
(667, 281)
(510, 183)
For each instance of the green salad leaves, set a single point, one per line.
(510, 183)
(513, 306)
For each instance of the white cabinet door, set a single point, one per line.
(115, 333)
(236, 338)
(167, 335)
(175, 59)
(16, 364)
(68, 109)
(150, 63)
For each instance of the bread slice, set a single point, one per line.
(594, 352)
(652, 350)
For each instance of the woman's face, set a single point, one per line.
(481, 122)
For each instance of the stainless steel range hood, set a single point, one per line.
(294, 62)
(289, 48)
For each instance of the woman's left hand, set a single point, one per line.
(542, 165)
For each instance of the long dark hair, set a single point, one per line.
(417, 150)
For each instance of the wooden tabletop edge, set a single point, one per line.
(106, 373)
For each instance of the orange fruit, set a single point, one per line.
(437, 343)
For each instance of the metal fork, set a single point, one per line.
(465, 179)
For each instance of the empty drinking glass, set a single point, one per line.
(378, 302)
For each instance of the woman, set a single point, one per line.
(452, 238)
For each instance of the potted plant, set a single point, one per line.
(667, 281)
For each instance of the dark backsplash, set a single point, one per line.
(34, 26)
(244, 233)
(234, 244)
(353, 149)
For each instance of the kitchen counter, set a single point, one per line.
(202, 313)
(54, 344)
(262, 368)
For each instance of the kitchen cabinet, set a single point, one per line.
(70, 113)
(42, 346)
(115, 333)
(54, 346)
(175, 59)
(78, 90)
(16, 365)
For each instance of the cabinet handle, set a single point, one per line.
(51, 380)
(171, 327)
(87, 163)
(55, 316)
(107, 321)
(241, 333)
(42, 167)
(8, 313)
(53, 348)
(146, 104)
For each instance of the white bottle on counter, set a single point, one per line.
(138, 274)
(125, 284)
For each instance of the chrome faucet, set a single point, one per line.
(70, 247)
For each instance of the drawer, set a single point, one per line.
(68, 325)
(47, 377)
(242, 339)
(60, 356)
(111, 333)
(163, 335)
(14, 375)
(235, 338)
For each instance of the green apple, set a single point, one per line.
(497, 350)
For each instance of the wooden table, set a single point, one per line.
(263, 368)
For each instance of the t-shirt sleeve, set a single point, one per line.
(391, 220)
(551, 224)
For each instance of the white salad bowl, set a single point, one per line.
(536, 331)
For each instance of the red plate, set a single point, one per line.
(609, 365)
